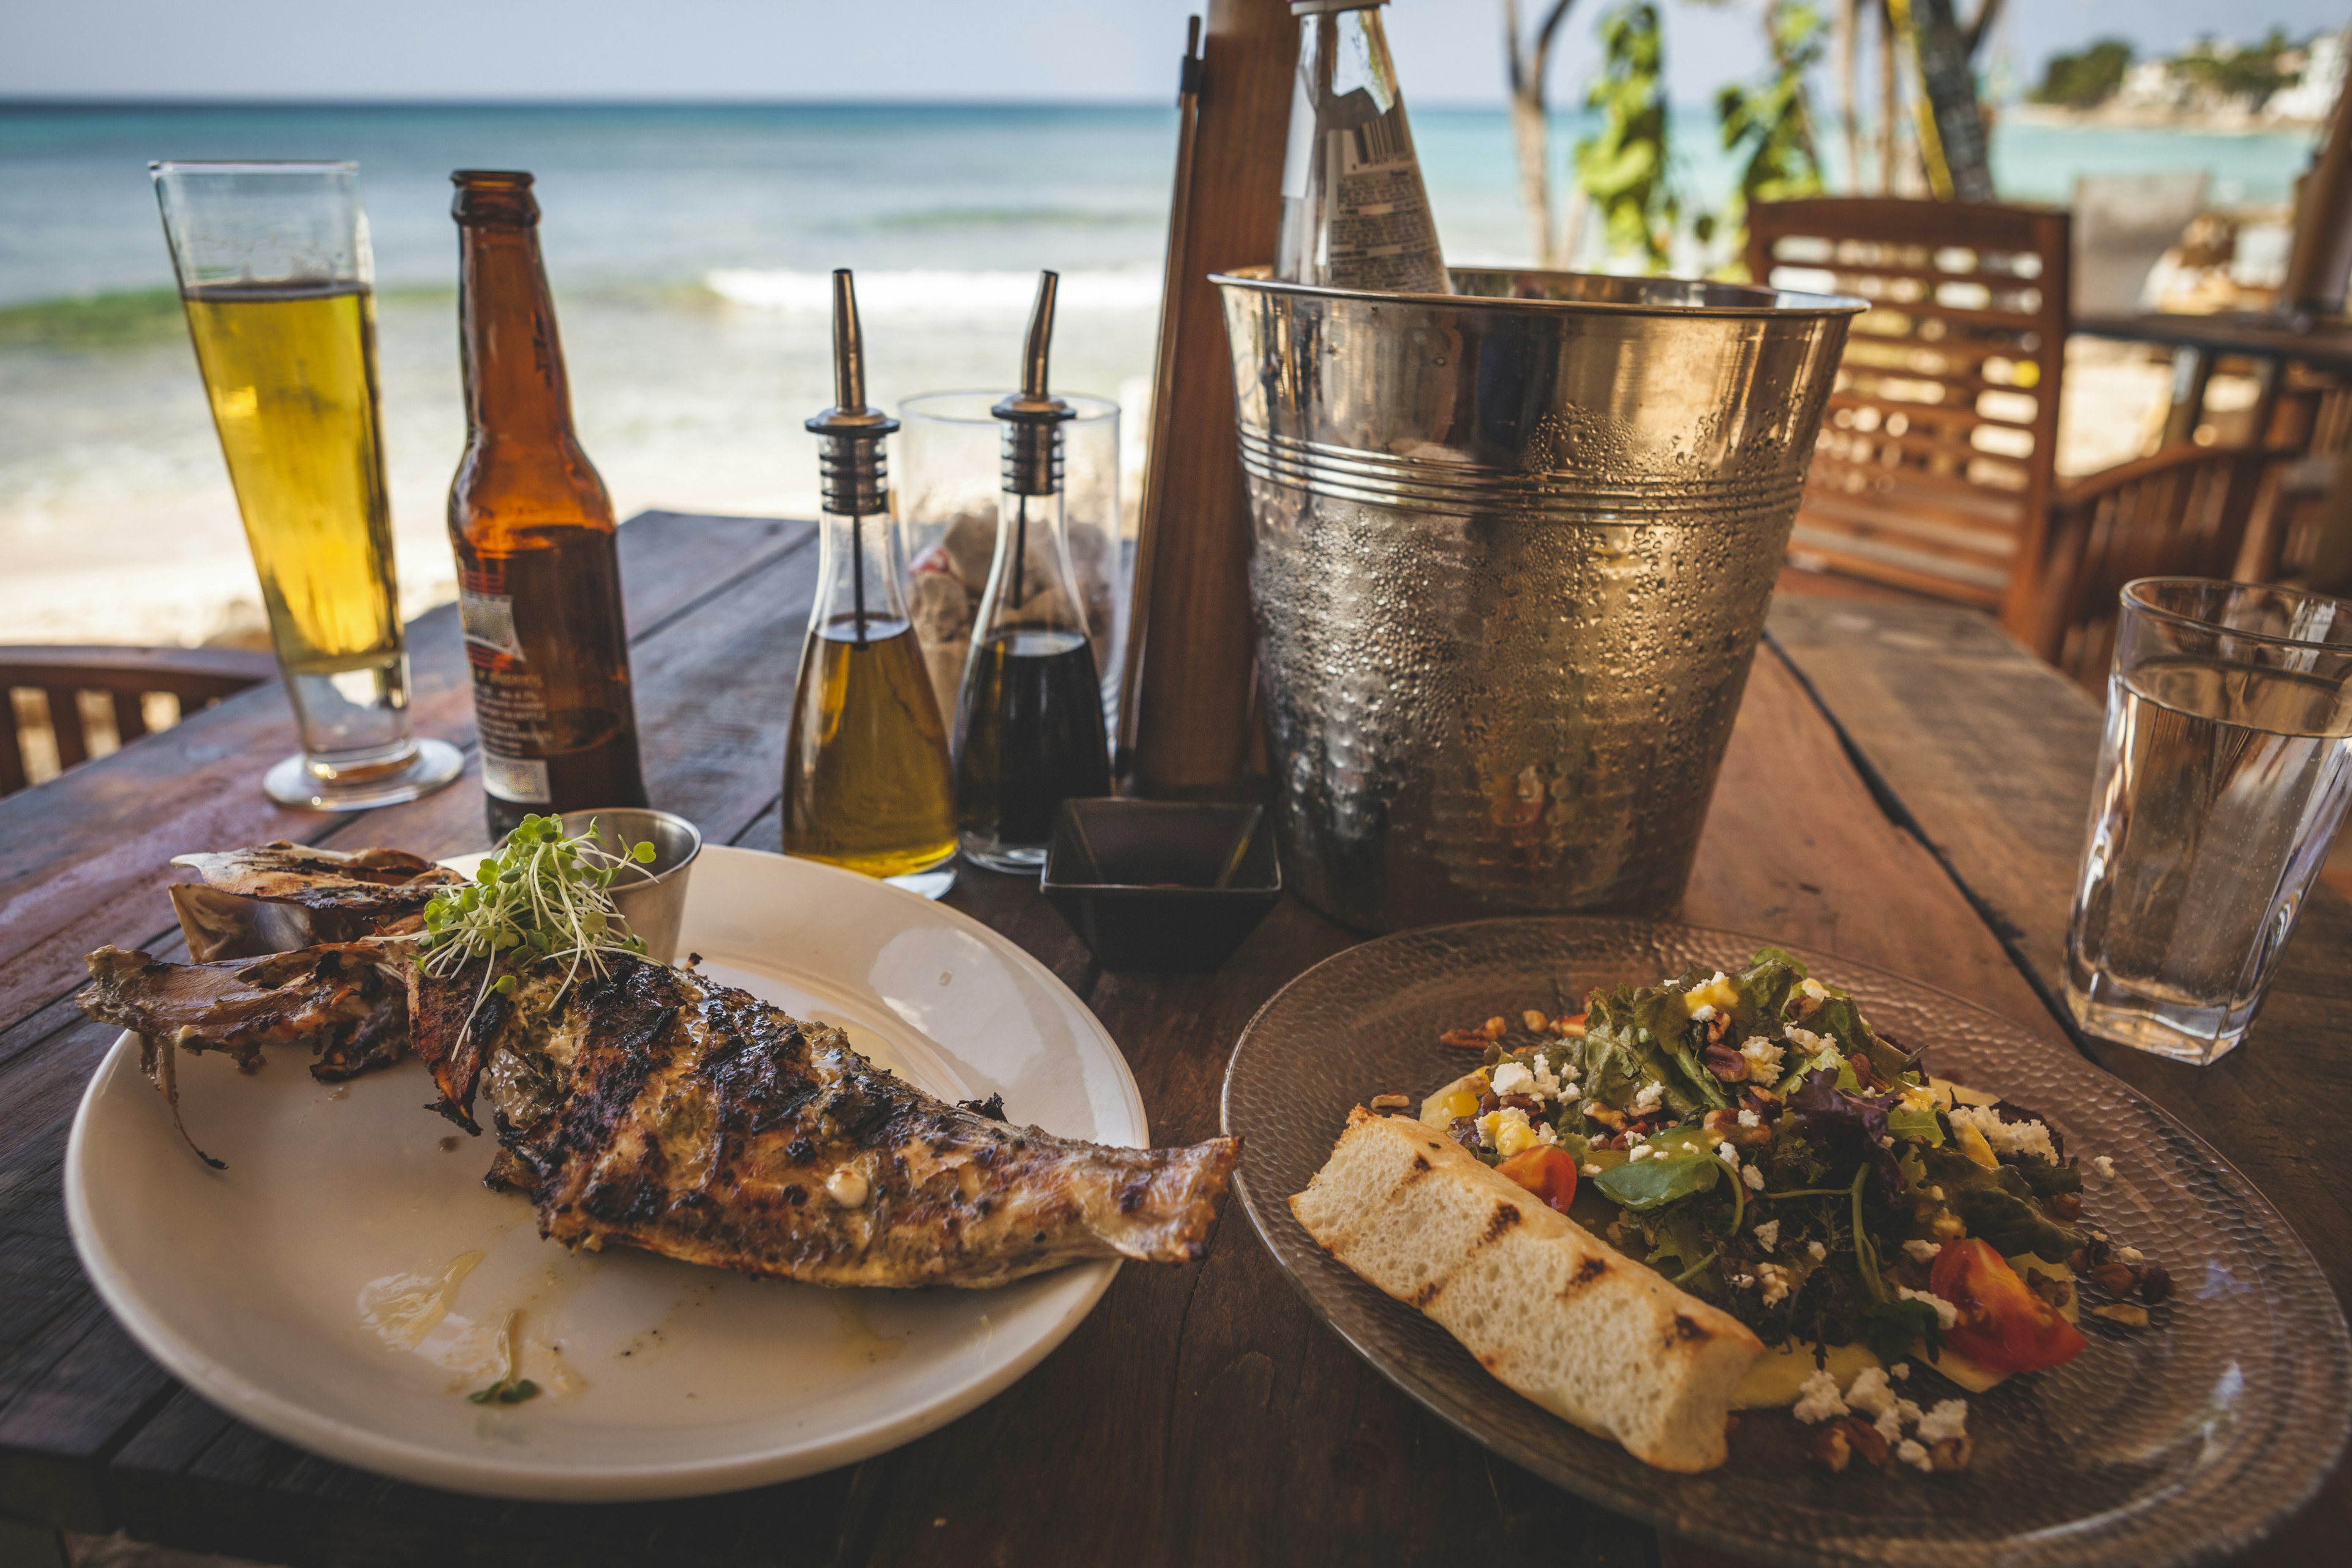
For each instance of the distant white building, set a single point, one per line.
(2313, 96)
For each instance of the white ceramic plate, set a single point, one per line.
(302, 1289)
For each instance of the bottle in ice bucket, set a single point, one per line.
(1029, 721)
(867, 780)
(539, 573)
(1354, 213)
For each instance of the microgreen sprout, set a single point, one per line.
(541, 897)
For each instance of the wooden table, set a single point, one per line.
(2198, 341)
(1905, 787)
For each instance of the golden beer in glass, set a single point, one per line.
(276, 279)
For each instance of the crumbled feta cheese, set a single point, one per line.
(1869, 1393)
(1548, 1084)
(1914, 1454)
(1703, 1014)
(1727, 1155)
(1899, 1371)
(1743, 1281)
(1807, 1041)
(1816, 1251)
(1768, 1234)
(1749, 1119)
(1637, 1154)
(1510, 1078)
(1763, 1057)
(1591, 1169)
(1923, 1250)
(1889, 1428)
(1570, 1094)
(1817, 1399)
(1717, 978)
(2006, 1137)
(1812, 990)
(1753, 1177)
(2131, 1255)
(1544, 1132)
(1906, 1412)
(1776, 1283)
(2104, 1166)
(1949, 1418)
(1946, 1313)
(1647, 1099)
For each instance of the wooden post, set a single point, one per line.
(1191, 723)
(2322, 252)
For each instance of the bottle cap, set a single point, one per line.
(851, 459)
(1033, 446)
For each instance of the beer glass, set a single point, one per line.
(2223, 780)
(279, 287)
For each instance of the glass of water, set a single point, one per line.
(2223, 776)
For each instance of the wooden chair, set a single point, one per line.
(2182, 512)
(1936, 460)
(124, 677)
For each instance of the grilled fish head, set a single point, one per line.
(280, 896)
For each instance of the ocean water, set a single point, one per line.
(689, 248)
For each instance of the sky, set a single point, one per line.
(1448, 51)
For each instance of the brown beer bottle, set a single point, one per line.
(539, 576)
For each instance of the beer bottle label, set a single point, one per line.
(522, 779)
(1382, 235)
(510, 702)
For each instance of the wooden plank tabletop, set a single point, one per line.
(2322, 344)
(1903, 787)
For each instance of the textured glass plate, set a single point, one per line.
(2171, 1444)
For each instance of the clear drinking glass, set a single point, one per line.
(2223, 780)
(950, 462)
(279, 287)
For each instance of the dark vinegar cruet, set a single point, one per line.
(1029, 720)
(539, 573)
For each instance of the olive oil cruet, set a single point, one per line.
(867, 780)
(1029, 720)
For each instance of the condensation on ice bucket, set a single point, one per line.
(1511, 554)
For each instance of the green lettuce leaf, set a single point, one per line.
(1648, 1184)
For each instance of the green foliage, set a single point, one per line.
(2087, 79)
(1623, 165)
(2233, 72)
(1774, 121)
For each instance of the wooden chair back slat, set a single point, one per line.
(130, 716)
(194, 677)
(1945, 413)
(2182, 512)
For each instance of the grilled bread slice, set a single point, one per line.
(1547, 1308)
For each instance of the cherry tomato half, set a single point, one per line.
(2003, 1324)
(1547, 1172)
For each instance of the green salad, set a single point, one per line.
(1753, 1138)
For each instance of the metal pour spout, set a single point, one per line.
(1032, 436)
(850, 458)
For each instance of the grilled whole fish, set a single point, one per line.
(653, 1108)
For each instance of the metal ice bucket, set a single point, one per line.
(1512, 553)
